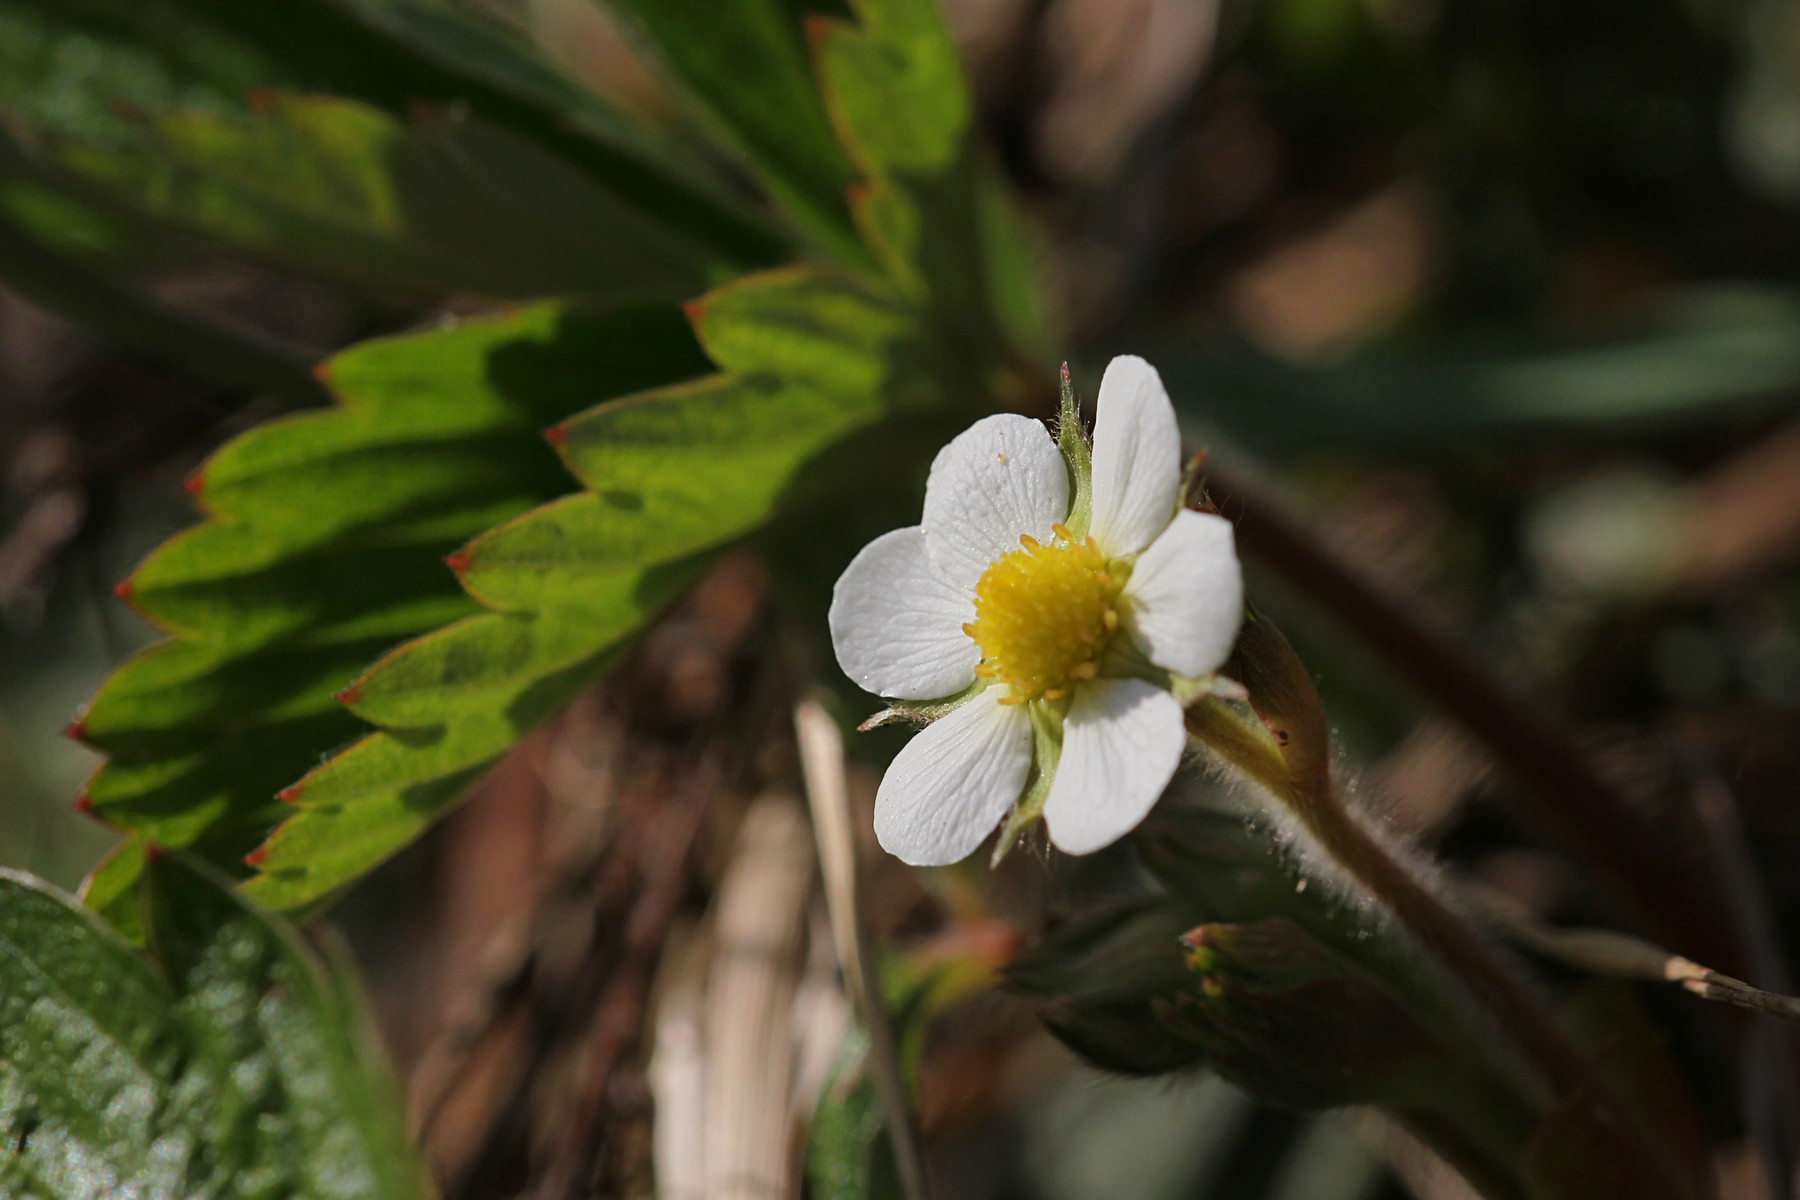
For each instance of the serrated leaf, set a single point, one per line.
(324, 548)
(229, 1063)
(927, 203)
(451, 703)
(810, 362)
(397, 54)
(745, 67)
(335, 187)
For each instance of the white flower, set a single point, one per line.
(1058, 627)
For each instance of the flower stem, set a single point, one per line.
(1680, 902)
(1280, 740)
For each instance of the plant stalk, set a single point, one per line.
(1282, 743)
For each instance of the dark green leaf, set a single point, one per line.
(1700, 355)
(399, 54)
(333, 186)
(229, 1064)
(144, 325)
(745, 66)
(927, 204)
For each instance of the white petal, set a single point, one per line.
(950, 786)
(1137, 457)
(897, 625)
(999, 478)
(1185, 599)
(1121, 744)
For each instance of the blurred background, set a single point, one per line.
(1501, 297)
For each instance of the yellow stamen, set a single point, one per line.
(1015, 698)
(1043, 616)
(1062, 531)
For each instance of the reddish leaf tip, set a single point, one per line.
(459, 562)
(154, 853)
(194, 483)
(257, 857)
(556, 435)
(817, 27)
(856, 192)
(1065, 373)
(694, 311)
(290, 793)
(84, 803)
(124, 589)
(351, 694)
(321, 370)
(75, 730)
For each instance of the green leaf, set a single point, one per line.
(928, 203)
(399, 54)
(230, 1062)
(141, 323)
(335, 187)
(744, 65)
(1700, 355)
(815, 371)
(849, 1153)
(324, 546)
(67, 67)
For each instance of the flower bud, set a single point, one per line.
(1298, 1024)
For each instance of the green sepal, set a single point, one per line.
(1072, 440)
(1046, 752)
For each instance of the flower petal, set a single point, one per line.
(897, 625)
(1137, 457)
(952, 783)
(1121, 744)
(999, 478)
(1185, 599)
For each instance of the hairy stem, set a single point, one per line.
(1281, 742)
(1562, 795)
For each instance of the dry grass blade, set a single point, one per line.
(677, 1075)
(759, 943)
(828, 793)
(1606, 952)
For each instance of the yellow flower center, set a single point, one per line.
(1043, 616)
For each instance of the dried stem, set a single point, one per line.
(822, 765)
(1607, 952)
